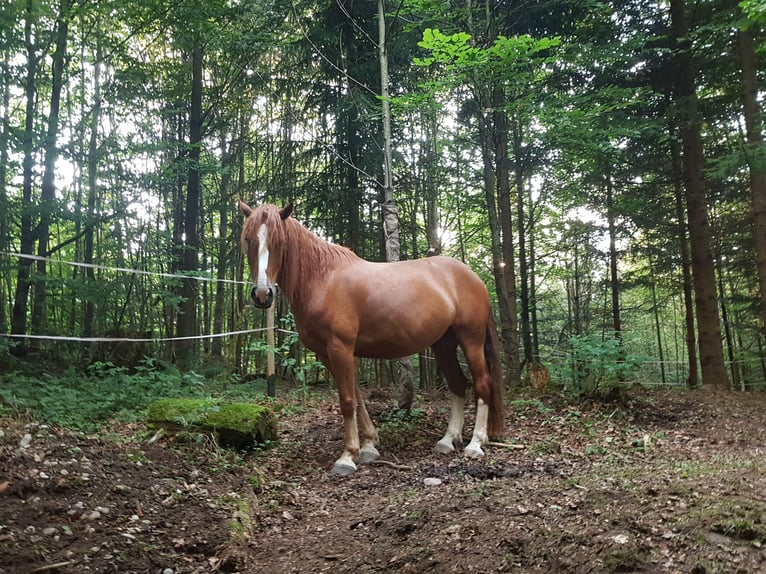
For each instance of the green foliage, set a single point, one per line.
(397, 427)
(458, 51)
(104, 392)
(299, 367)
(595, 365)
(754, 9)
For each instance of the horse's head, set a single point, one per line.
(263, 238)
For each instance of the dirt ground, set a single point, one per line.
(665, 481)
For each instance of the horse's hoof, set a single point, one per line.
(473, 452)
(443, 448)
(368, 455)
(343, 468)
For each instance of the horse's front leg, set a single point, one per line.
(369, 434)
(340, 362)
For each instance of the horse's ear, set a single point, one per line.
(285, 212)
(244, 208)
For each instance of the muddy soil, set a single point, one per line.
(666, 481)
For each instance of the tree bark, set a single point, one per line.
(502, 167)
(224, 205)
(186, 324)
(524, 298)
(23, 284)
(48, 189)
(614, 278)
(4, 152)
(93, 160)
(390, 210)
(703, 270)
(692, 380)
(756, 159)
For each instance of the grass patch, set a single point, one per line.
(737, 519)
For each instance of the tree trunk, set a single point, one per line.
(390, 211)
(93, 160)
(224, 206)
(755, 155)
(23, 284)
(505, 211)
(691, 340)
(431, 191)
(532, 279)
(5, 139)
(524, 299)
(731, 352)
(48, 189)
(509, 339)
(703, 271)
(186, 325)
(656, 314)
(614, 278)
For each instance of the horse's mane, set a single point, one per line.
(305, 257)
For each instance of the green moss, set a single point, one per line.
(237, 424)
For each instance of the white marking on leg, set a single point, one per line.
(345, 465)
(368, 453)
(480, 438)
(454, 434)
(367, 432)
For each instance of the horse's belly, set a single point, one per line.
(386, 341)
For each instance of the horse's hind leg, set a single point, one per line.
(445, 351)
(474, 355)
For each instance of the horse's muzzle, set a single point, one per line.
(262, 297)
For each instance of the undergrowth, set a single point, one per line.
(105, 392)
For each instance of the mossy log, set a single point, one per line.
(240, 425)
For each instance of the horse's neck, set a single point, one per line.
(308, 260)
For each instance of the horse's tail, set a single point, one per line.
(495, 421)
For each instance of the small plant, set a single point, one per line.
(596, 365)
(547, 446)
(521, 405)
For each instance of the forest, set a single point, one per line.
(599, 164)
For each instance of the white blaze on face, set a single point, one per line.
(262, 281)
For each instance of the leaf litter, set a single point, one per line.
(662, 481)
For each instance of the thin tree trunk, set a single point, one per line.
(754, 140)
(224, 206)
(510, 348)
(507, 269)
(48, 188)
(532, 279)
(690, 331)
(4, 144)
(390, 211)
(524, 298)
(187, 320)
(703, 270)
(93, 160)
(23, 284)
(431, 187)
(728, 337)
(614, 278)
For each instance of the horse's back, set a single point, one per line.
(396, 309)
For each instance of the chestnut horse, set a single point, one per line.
(347, 307)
